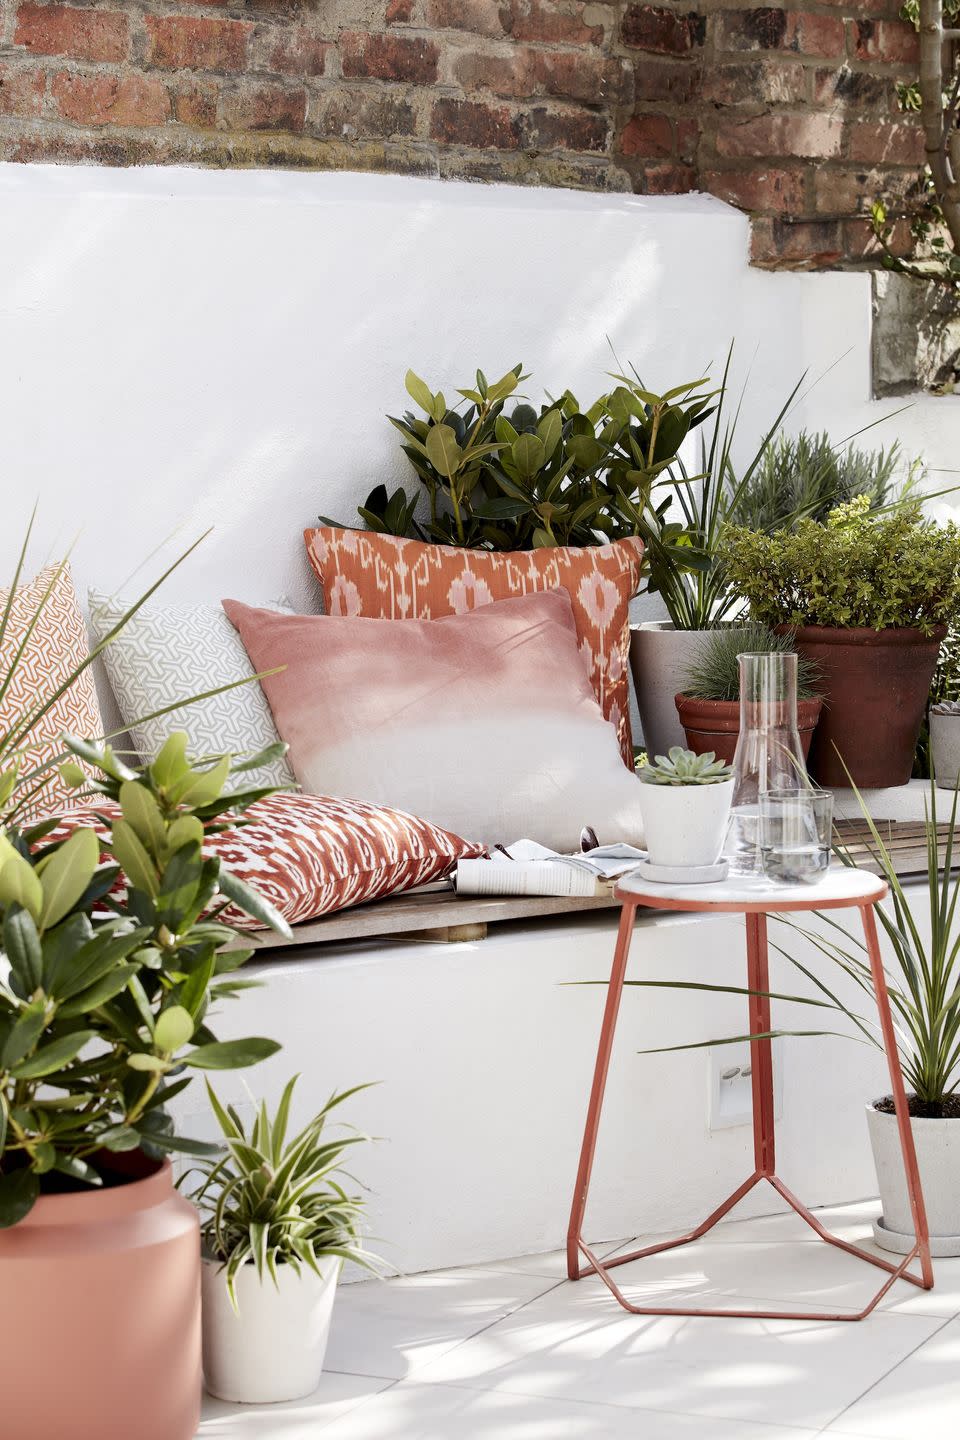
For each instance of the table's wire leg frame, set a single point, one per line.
(763, 1137)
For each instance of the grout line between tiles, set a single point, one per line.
(887, 1373)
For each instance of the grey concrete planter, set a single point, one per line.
(945, 748)
(938, 1156)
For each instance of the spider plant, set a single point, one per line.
(269, 1201)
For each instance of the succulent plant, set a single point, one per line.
(945, 707)
(684, 767)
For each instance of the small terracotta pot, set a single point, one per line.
(876, 684)
(715, 724)
(100, 1321)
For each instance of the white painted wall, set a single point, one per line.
(187, 348)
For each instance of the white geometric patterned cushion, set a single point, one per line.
(165, 654)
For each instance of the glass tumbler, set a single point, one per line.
(796, 834)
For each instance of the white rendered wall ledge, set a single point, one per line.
(484, 1054)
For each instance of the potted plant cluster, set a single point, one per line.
(105, 1009)
(683, 530)
(867, 599)
(277, 1226)
(709, 705)
(786, 480)
(684, 800)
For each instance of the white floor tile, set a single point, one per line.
(392, 1327)
(575, 1343)
(550, 1263)
(919, 1400)
(779, 1258)
(441, 1412)
(295, 1420)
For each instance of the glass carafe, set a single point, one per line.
(769, 755)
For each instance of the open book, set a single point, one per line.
(526, 868)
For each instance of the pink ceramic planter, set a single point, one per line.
(100, 1316)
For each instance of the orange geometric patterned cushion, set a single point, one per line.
(57, 643)
(312, 854)
(387, 578)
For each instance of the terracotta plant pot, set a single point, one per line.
(100, 1321)
(876, 684)
(715, 724)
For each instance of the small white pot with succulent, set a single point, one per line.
(685, 802)
(945, 742)
(276, 1228)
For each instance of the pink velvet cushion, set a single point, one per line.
(484, 723)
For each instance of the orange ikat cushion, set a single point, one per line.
(384, 577)
(313, 854)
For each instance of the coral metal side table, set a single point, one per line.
(840, 888)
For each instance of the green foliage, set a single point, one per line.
(274, 1202)
(535, 477)
(933, 257)
(806, 476)
(683, 767)
(106, 1001)
(716, 673)
(684, 530)
(879, 572)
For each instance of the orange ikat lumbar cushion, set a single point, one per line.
(384, 577)
(312, 854)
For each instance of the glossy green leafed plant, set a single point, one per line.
(272, 1201)
(684, 767)
(715, 675)
(106, 1001)
(874, 571)
(533, 477)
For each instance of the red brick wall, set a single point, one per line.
(788, 112)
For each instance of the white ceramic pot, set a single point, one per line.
(272, 1347)
(684, 824)
(945, 749)
(660, 659)
(938, 1156)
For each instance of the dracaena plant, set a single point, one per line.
(107, 997)
(272, 1201)
(535, 477)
